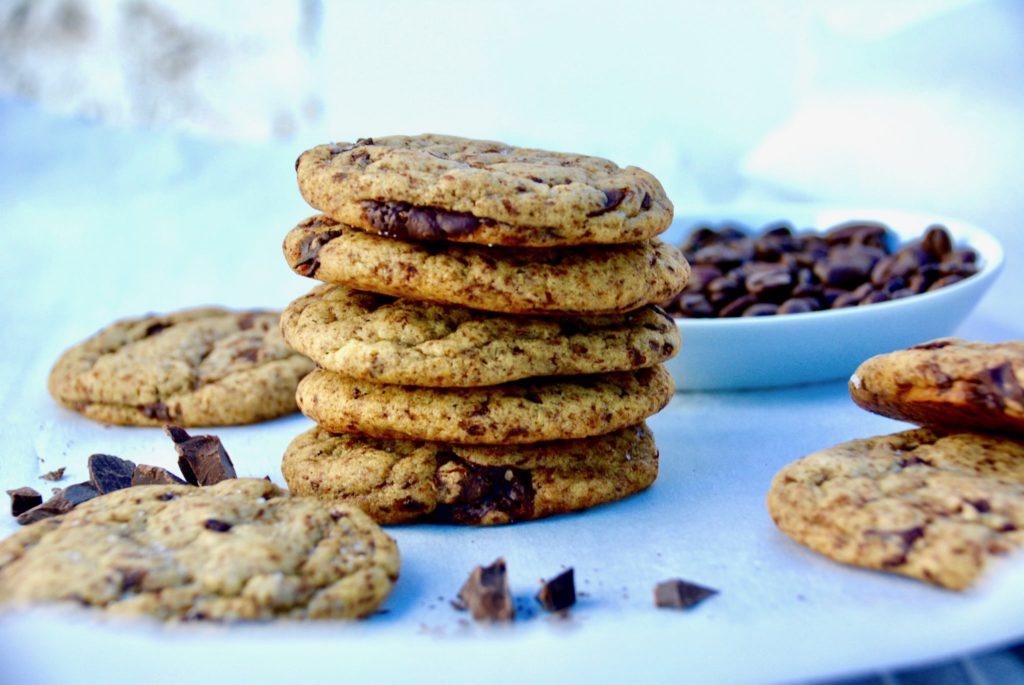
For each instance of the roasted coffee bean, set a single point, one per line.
(785, 272)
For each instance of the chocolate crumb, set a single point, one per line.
(486, 594)
(202, 459)
(108, 473)
(56, 474)
(680, 594)
(145, 474)
(23, 499)
(559, 593)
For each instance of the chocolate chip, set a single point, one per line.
(933, 345)
(217, 526)
(56, 474)
(645, 203)
(154, 475)
(612, 198)
(467, 492)
(108, 473)
(309, 252)
(559, 593)
(202, 459)
(486, 595)
(402, 220)
(680, 594)
(993, 387)
(23, 499)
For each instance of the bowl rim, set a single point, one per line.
(990, 253)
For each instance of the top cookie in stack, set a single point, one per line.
(488, 336)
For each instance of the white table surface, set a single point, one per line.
(98, 224)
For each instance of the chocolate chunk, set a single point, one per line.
(23, 499)
(680, 594)
(217, 526)
(558, 593)
(467, 492)
(155, 328)
(613, 197)
(309, 252)
(402, 220)
(645, 203)
(202, 459)
(154, 475)
(56, 474)
(80, 492)
(157, 410)
(994, 387)
(486, 595)
(108, 473)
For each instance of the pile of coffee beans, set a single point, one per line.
(779, 271)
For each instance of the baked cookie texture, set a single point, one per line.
(401, 481)
(197, 367)
(947, 382)
(436, 187)
(521, 412)
(238, 550)
(937, 506)
(587, 280)
(379, 338)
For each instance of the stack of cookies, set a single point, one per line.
(487, 334)
(936, 503)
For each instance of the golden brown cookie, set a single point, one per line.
(948, 383)
(398, 341)
(197, 367)
(434, 187)
(399, 481)
(242, 549)
(586, 280)
(932, 505)
(532, 410)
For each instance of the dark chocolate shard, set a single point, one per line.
(217, 526)
(486, 595)
(613, 197)
(62, 502)
(202, 459)
(680, 594)
(155, 328)
(108, 473)
(309, 252)
(23, 499)
(145, 474)
(559, 593)
(56, 474)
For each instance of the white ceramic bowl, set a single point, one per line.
(767, 351)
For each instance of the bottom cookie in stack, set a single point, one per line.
(400, 481)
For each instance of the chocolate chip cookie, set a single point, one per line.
(532, 410)
(937, 506)
(197, 367)
(434, 187)
(399, 341)
(589, 280)
(399, 481)
(238, 550)
(947, 382)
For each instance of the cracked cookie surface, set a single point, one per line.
(400, 481)
(520, 412)
(242, 549)
(931, 505)
(196, 367)
(436, 187)
(585, 280)
(398, 341)
(947, 382)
